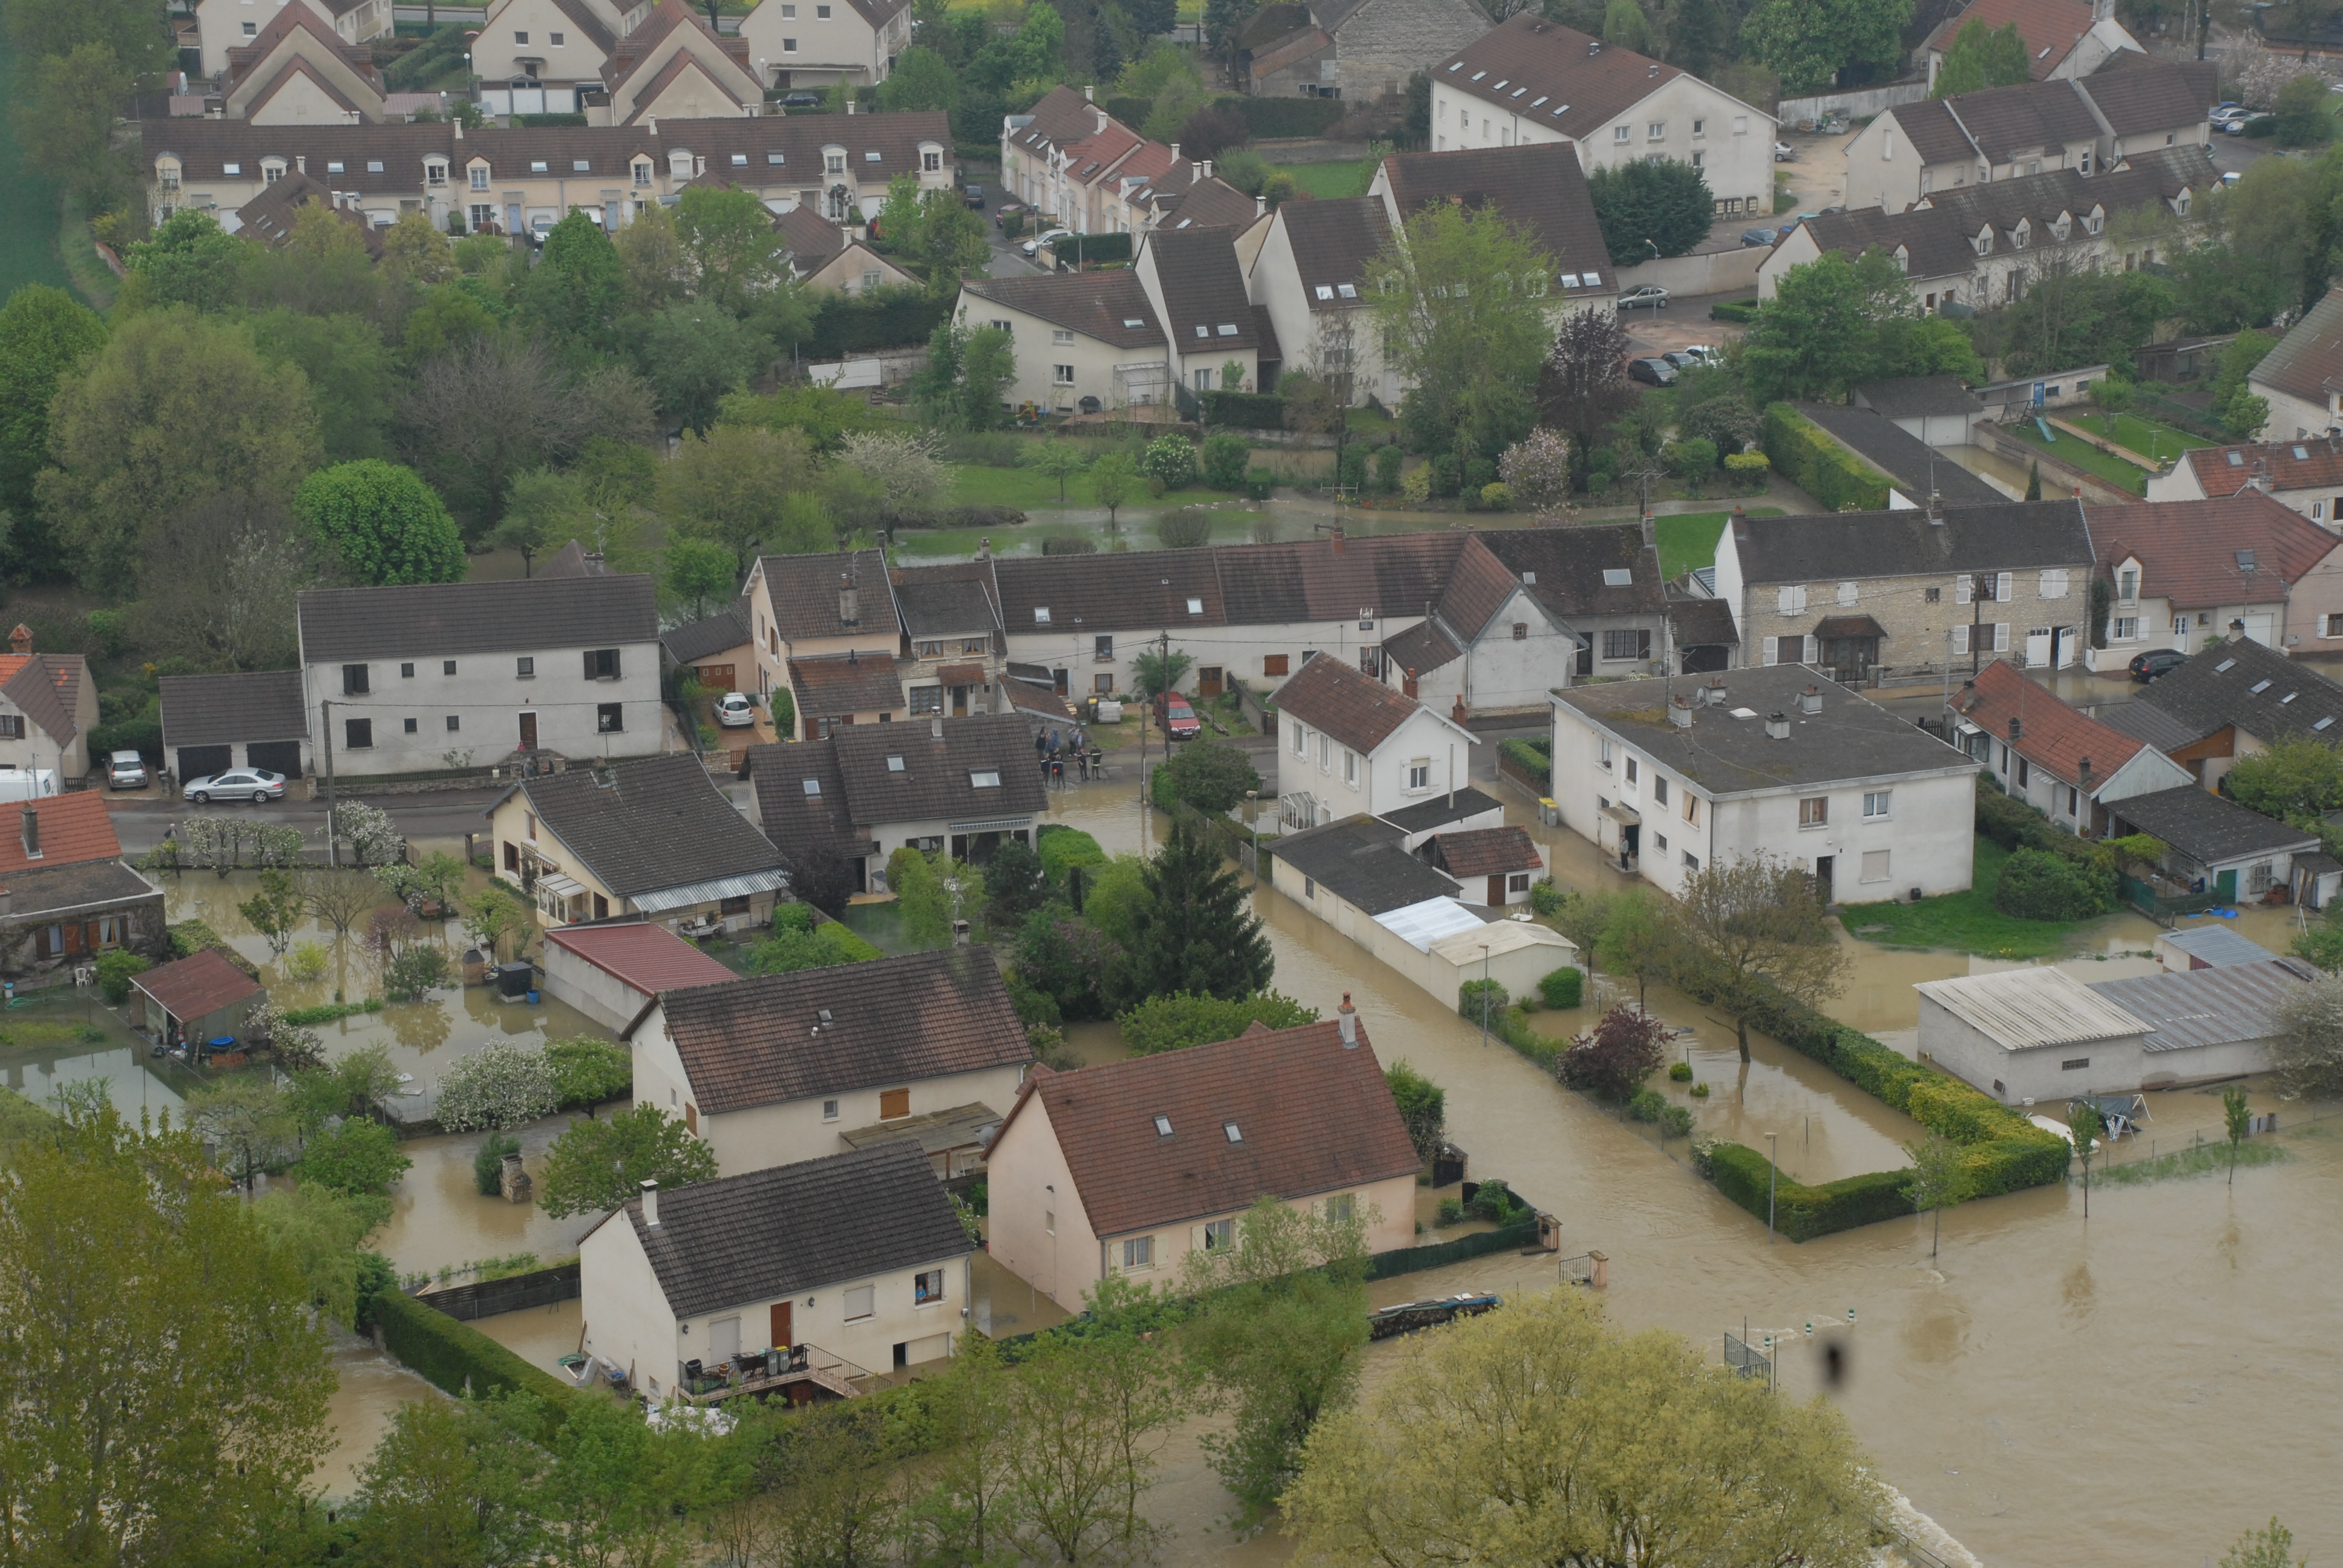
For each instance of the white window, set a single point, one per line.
(1604, 758)
(1874, 804)
(789, 46)
(1138, 1252)
(1419, 772)
(2125, 627)
(1700, 128)
(1299, 749)
(1342, 1208)
(1061, 334)
(1219, 1235)
(1656, 131)
(928, 1287)
(861, 1302)
(830, 1111)
(2127, 585)
(480, 176)
(1349, 768)
(984, 778)
(252, 29)
(1791, 600)
(1326, 754)
(1065, 374)
(1814, 811)
(1846, 593)
(556, 39)
(1875, 865)
(1620, 133)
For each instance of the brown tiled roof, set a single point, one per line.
(2051, 28)
(1311, 1117)
(583, 17)
(645, 955)
(665, 17)
(857, 682)
(1558, 77)
(892, 1021)
(34, 689)
(2227, 471)
(222, 709)
(1286, 51)
(269, 216)
(1333, 243)
(298, 67)
(1204, 290)
(1348, 704)
(2195, 552)
(795, 818)
(190, 988)
(2308, 362)
(1934, 134)
(73, 828)
(937, 778)
(442, 619)
(812, 239)
(2008, 123)
(2051, 734)
(1150, 589)
(673, 71)
(1485, 852)
(2152, 97)
(1477, 588)
(1569, 563)
(246, 58)
(650, 824)
(790, 1229)
(1109, 307)
(1421, 649)
(1539, 186)
(804, 592)
(1315, 579)
(1063, 117)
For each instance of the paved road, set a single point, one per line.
(444, 814)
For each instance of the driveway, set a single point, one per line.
(1007, 259)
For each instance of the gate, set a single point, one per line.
(203, 761)
(277, 756)
(1745, 1359)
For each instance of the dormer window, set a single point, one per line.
(1985, 243)
(833, 161)
(2021, 233)
(479, 173)
(2180, 204)
(435, 174)
(642, 172)
(2062, 228)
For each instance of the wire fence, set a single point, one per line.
(2156, 1139)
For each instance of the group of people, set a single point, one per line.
(1056, 751)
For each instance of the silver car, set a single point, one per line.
(1650, 294)
(257, 785)
(126, 771)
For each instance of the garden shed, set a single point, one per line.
(195, 999)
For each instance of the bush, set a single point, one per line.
(1471, 995)
(589, 1070)
(1494, 1201)
(1086, 247)
(1747, 470)
(1679, 1072)
(1258, 483)
(1243, 410)
(1225, 459)
(1621, 1051)
(1172, 461)
(2036, 886)
(1565, 987)
(1744, 311)
(459, 1357)
(415, 972)
(1647, 1105)
(1545, 898)
(1675, 1121)
(1694, 459)
(1207, 775)
(1447, 473)
(1819, 466)
(1180, 1019)
(2005, 819)
(1803, 1212)
(114, 971)
(795, 917)
(846, 323)
(1530, 761)
(1288, 117)
(1061, 848)
(1497, 495)
(1184, 529)
(1450, 1211)
(1389, 460)
(2262, 128)
(489, 1165)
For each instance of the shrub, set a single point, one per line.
(1447, 473)
(114, 971)
(589, 1070)
(1621, 1051)
(459, 1357)
(1389, 460)
(1497, 495)
(1415, 485)
(1530, 761)
(2005, 819)
(489, 1165)
(1565, 987)
(1819, 466)
(1472, 996)
(795, 917)
(1494, 1201)
(1289, 117)
(1675, 1121)
(1747, 470)
(1545, 898)
(786, 951)
(1226, 458)
(1184, 529)
(1232, 410)
(1679, 1072)
(1647, 1105)
(1450, 1211)
(1207, 775)
(415, 971)
(1803, 1212)
(1258, 484)
(1744, 311)
(1180, 1019)
(1169, 460)
(1694, 459)
(500, 1085)
(1062, 848)
(2036, 886)
(1086, 247)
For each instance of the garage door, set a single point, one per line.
(277, 756)
(2262, 628)
(202, 761)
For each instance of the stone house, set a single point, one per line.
(800, 43)
(66, 893)
(2183, 574)
(1358, 49)
(1347, 744)
(1907, 592)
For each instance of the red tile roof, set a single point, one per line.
(1311, 1117)
(1348, 704)
(73, 828)
(2227, 471)
(1486, 852)
(2051, 28)
(2051, 734)
(193, 987)
(2195, 553)
(649, 957)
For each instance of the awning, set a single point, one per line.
(561, 887)
(1626, 814)
(716, 891)
(1848, 626)
(1003, 825)
(962, 674)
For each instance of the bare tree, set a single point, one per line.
(500, 405)
(1752, 929)
(219, 586)
(1582, 386)
(339, 898)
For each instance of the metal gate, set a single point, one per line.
(277, 756)
(1745, 1359)
(203, 761)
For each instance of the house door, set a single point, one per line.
(782, 1340)
(1497, 890)
(960, 701)
(1208, 682)
(512, 217)
(2225, 886)
(2037, 647)
(1850, 658)
(2062, 644)
(528, 732)
(1586, 665)
(1823, 865)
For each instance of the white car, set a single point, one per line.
(257, 785)
(1783, 151)
(1033, 247)
(735, 712)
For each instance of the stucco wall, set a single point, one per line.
(2040, 1075)
(1736, 146)
(590, 988)
(1379, 782)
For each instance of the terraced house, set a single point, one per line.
(223, 25)
(1071, 162)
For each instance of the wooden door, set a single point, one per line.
(1208, 682)
(528, 732)
(716, 676)
(1497, 889)
(782, 1340)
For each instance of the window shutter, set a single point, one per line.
(2004, 587)
(1960, 639)
(590, 671)
(1783, 603)
(1813, 652)
(2001, 637)
(1961, 586)
(1771, 655)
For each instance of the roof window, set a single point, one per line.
(1040, 615)
(1347, 290)
(1195, 606)
(2301, 456)
(1228, 329)
(374, 166)
(813, 786)
(1519, 91)
(334, 167)
(1325, 291)
(2236, 461)
(1569, 280)
(894, 765)
(536, 167)
(1183, 223)
(739, 160)
(1529, 579)
(1457, 67)
(984, 778)
(1132, 322)
(2324, 722)
(1478, 74)
(581, 166)
(1230, 1128)
(2246, 561)
(1539, 100)
(870, 157)
(2224, 666)
(823, 1015)
(1202, 330)
(1162, 1126)
(775, 159)
(1559, 109)
(2290, 696)
(231, 168)
(1617, 576)
(2258, 686)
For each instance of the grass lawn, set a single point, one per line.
(2083, 456)
(29, 241)
(1689, 539)
(1328, 182)
(1965, 923)
(2135, 434)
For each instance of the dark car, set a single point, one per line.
(799, 100)
(1652, 372)
(1178, 719)
(975, 194)
(1757, 236)
(2156, 661)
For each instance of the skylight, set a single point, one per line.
(1617, 576)
(984, 778)
(1325, 291)
(2246, 561)
(813, 786)
(1195, 606)
(374, 166)
(894, 765)
(335, 167)
(1040, 615)
(536, 167)
(1570, 281)
(1478, 74)
(1202, 330)
(739, 160)
(1347, 290)
(1163, 1127)
(1559, 109)
(823, 1014)
(1529, 579)
(2324, 722)
(1228, 329)
(1230, 1128)
(2301, 456)
(2258, 686)
(2290, 696)
(1132, 321)
(586, 165)
(1519, 91)
(2224, 666)
(870, 157)
(1539, 100)
(1457, 67)
(2236, 461)
(773, 158)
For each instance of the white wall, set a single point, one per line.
(590, 988)
(1039, 354)
(1440, 976)
(1377, 782)
(496, 52)
(487, 696)
(2041, 1074)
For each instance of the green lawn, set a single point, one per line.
(1965, 923)
(2135, 434)
(1328, 182)
(28, 241)
(1689, 539)
(2084, 456)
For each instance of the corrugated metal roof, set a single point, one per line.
(708, 892)
(2206, 1007)
(1503, 937)
(2019, 1009)
(1422, 924)
(2219, 946)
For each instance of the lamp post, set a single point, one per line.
(1773, 1169)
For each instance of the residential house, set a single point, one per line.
(1105, 341)
(66, 893)
(427, 677)
(2305, 476)
(1917, 475)
(718, 650)
(2182, 573)
(1935, 409)
(1911, 590)
(776, 1069)
(800, 43)
(538, 56)
(1780, 760)
(2063, 38)
(1911, 151)
(203, 1002)
(2056, 759)
(525, 179)
(951, 634)
(2041, 1035)
(1494, 865)
(2215, 846)
(1348, 744)
(1359, 49)
(223, 25)
(856, 1259)
(652, 836)
(1130, 1166)
(2230, 701)
(1215, 339)
(252, 719)
(828, 260)
(1309, 272)
(2302, 377)
(48, 706)
(299, 70)
(269, 217)
(1489, 643)
(867, 791)
(611, 971)
(1602, 581)
(1533, 80)
(1461, 810)
(805, 606)
(1542, 186)
(832, 690)
(673, 66)
(1069, 160)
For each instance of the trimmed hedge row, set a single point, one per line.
(1082, 248)
(1802, 1213)
(846, 323)
(1819, 466)
(1244, 410)
(1744, 311)
(1289, 117)
(1530, 759)
(452, 1354)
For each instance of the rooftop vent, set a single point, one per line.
(1715, 693)
(1680, 712)
(1777, 727)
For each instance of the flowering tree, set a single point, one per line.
(500, 1085)
(1536, 468)
(367, 831)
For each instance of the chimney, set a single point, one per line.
(650, 1202)
(849, 601)
(1650, 537)
(1593, 47)
(1335, 534)
(959, 933)
(1717, 692)
(1175, 152)
(301, 163)
(1346, 1019)
(1086, 95)
(32, 828)
(1457, 712)
(1208, 168)
(853, 656)
(1680, 712)
(984, 548)
(1656, 69)
(460, 129)
(1777, 727)
(936, 728)
(1811, 700)
(1260, 207)
(2237, 631)
(1408, 685)
(849, 103)
(2016, 730)
(21, 640)
(1100, 115)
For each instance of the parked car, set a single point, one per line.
(1178, 719)
(2236, 128)
(257, 785)
(1650, 294)
(1783, 151)
(1702, 353)
(1757, 236)
(1033, 247)
(126, 771)
(1652, 372)
(799, 100)
(2156, 661)
(735, 712)
(2221, 116)
(975, 194)
(2231, 178)
(1680, 358)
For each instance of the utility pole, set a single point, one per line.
(333, 797)
(1977, 580)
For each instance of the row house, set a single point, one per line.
(1361, 49)
(1536, 80)
(2063, 38)
(674, 64)
(535, 57)
(222, 25)
(1070, 160)
(298, 70)
(527, 179)
(2061, 762)
(2304, 475)
(802, 44)
(2184, 574)
(1911, 151)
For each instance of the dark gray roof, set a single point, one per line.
(1912, 463)
(932, 604)
(792, 1229)
(2308, 362)
(2151, 96)
(657, 822)
(2029, 118)
(1908, 397)
(937, 777)
(1569, 564)
(1361, 861)
(857, 682)
(2260, 691)
(1204, 290)
(2146, 721)
(698, 639)
(795, 818)
(222, 709)
(2189, 1008)
(1702, 623)
(1421, 649)
(1931, 241)
(1539, 186)
(806, 593)
(1441, 809)
(81, 885)
(1934, 134)
(1333, 243)
(1109, 307)
(2009, 535)
(2206, 828)
(1851, 738)
(435, 619)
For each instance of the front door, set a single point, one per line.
(528, 732)
(1586, 665)
(1850, 658)
(960, 701)
(1497, 890)
(1824, 865)
(2037, 647)
(1208, 682)
(2225, 886)
(782, 1340)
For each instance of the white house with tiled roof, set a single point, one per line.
(1347, 743)
(2063, 38)
(532, 55)
(298, 71)
(2304, 475)
(816, 42)
(1085, 341)
(224, 25)
(2302, 377)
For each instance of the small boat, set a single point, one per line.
(1410, 1316)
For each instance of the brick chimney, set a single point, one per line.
(1458, 711)
(1335, 535)
(21, 640)
(1408, 684)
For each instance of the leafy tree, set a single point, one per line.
(577, 288)
(1423, 1107)
(1155, 671)
(1179, 1019)
(1594, 1438)
(1461, 302)
(361, 1156)
(317, 1232)
(1059, 460)
(600, 1164)
(933, 890)
(820, 874)
(544, 509)
(1112, 478)
(452, 317)
(1941, 1177)
(1191, 930)
(493, 913)
(500, 1086)
(1754, 928)
(2068, 311)
(732, 487)
(1638, 938)
(1616, 1056)
(46, 337)
(589, 1070)
(498, 406)
(64, 121)
(1626, 26)
(1015, 884)
(383, 523)
(454, 1482)
(248, 1119)
(274, 909)
(1982, 57)
(1582, 383)
(132, 31)
(2084, 1124)
(415, 248)
(2237, 1119)
(694, 354)
(697, 572)
(352, 375)
(1210, 777)
(966, 377)
(731, 251)
(2302, 117)
(922, 79)
(2307, 1058)
(188, 260)
(2297, 782)
(1807, 42)
(824, 415)
(2271, 1547)
(1666, 204)
(1067, 962)
(170, 412)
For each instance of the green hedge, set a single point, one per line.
(1802, 1213)
(1529, 757)
(846, 323)
(144, 736)
(1082, 248)
(1744, 311)
(540, 122)
(1244, 410)
(191, 937)
(1810, 460)
(452, 1354)
(1290, 116)
(1410, 1260)
(1132, 111)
